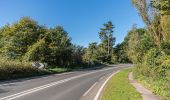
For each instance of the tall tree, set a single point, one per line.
(138, 43)
(151, 18)
(106, 36)
(155, 14)
(163, 6)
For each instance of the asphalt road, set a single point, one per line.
(75, 85)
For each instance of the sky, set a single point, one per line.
(82, 19)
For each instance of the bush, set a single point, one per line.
(16, 69)
(155, 65)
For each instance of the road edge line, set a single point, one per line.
(90, 89)
(103, 85)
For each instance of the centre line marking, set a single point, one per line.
(89, 89)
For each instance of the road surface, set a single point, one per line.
(77, 85)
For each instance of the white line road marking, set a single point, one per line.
(17, 95)
(101, 78)
(101, 88)
(89, 89)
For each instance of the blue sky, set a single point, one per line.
(82, 19)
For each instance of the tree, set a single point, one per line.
(90, 56)
(162, 5)
(120, 53)
(138, 43)
(106, 36)
(59, 45)
(155, 14)
(37, 52)
(77, 55)
(151, 18)
(19, 36)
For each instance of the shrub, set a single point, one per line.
(156, 64)
(16, 69)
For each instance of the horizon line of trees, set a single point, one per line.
(27, 41)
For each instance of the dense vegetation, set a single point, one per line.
(149, 48)
(13, 69)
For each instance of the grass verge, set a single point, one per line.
(14, 69)
(58, 70)
(119, 88)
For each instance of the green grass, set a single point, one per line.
(119, 88)
(58, 70)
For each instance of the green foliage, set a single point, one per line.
(165, 47)
(138, 43)
(151, 57)
(77, 56)
(120, 54)
(37, 52)
(155, 65)
(106, 37)
(91, 54)
(15, 69)
(19, 36)
(162, 5)
(165, 24)
(58, 69)
(59, 46)
(151, 15)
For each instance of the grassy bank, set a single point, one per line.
(119, 88)
(15, 69)
(158, 86)
(58, 70)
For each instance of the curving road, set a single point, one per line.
(77, 85)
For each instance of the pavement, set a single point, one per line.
(77, 85)
(145, 93)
